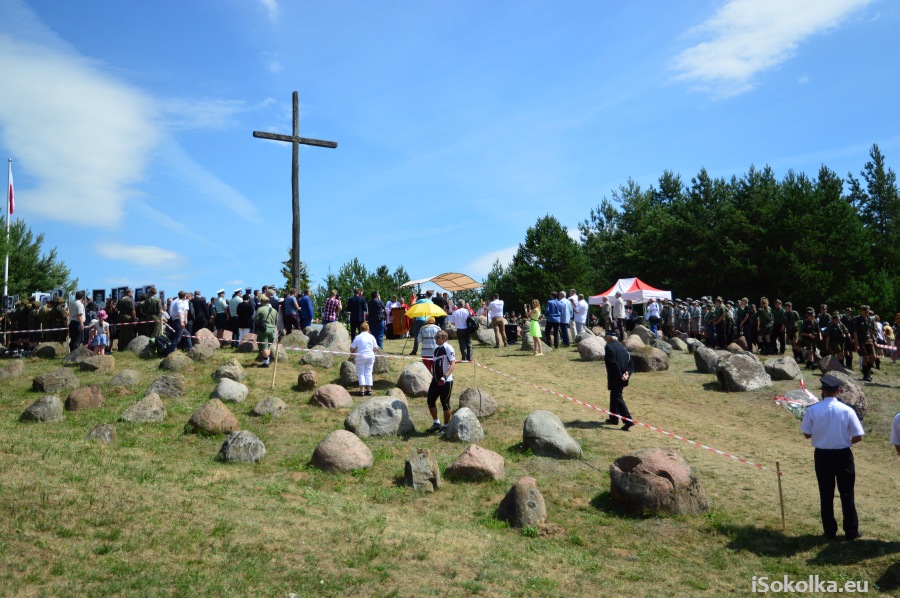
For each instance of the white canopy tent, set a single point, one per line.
(633, 289)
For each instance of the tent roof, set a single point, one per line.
(633, 289)
(449, 281)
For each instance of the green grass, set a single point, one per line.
(154, 513)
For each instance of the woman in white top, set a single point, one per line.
(99, 336)
(363, 346)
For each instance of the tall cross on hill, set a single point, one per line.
(295, 140)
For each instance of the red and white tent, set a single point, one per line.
(634, 289)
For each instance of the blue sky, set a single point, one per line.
(459, 123)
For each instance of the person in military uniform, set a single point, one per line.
(847, 321)
(764, 318)
(127, 318)
(44, 320)
(778, 331)
(265, 322)
(809, 336)
(792, 329)
(864, 341)
(836, 335)
(151, 311)
(59, 320)
(34, 325)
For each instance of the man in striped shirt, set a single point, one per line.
(332, 308)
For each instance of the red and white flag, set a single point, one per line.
(11, 204)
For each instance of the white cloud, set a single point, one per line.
(746, 37)
(142, 255)
(271, 7)
(184, 113)
(480, 266)
(803, 80)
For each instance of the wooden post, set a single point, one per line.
(275, 369)
(780, 496)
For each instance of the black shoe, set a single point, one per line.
(435, 427)
(627, 426)
(611, 422)
(830, 537)
(412, 353)
(854, 536)
(264, 365)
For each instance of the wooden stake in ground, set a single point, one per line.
(295, 140)
(780, 495)
(275, 369)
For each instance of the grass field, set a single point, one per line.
(155, 514)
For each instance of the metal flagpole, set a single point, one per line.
(8, 218)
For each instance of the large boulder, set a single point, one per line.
(231, 369)
(99, 363)
(656, 481)
(742, 343)
(229, 391)
(206, 338)
(331, 396)
(782, 368)
(382, 364)
(201, 352)
(348, 374)
(649, 359)
(126, 378)
(476, 464)
(13, 369)
(706, 359)
(421, 471)
(662, 345)
(248, 344)
(642, 332)
(48, 408)
(55, 381)
(523, 505)
(212, 418)
(852, 394)
(634, 343)
(586, 333)
(307, 380)
(464, 427)
(148, 410)
(528, 345)
(272, 406)
(342, 452)
(481, 403)
(486, 336)
(692, 344)
(295, 340)
(384, 416)
(51, 350)
(317, 358)
(741, 372)
(830, 363)
(592, 348)
(396, 393)
(414, 380)
(312, 334)
(138, 345)
(170, 386)
(677, 344)
(545, 434)
(175, 362)
(80, 353)
(242, 446)
(102, 433)
(334, 337)
(86, 397)
(734, 348)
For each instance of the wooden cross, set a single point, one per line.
(295, 140)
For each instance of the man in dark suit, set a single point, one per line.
(619, 368)
(201, 312)
(358, 309)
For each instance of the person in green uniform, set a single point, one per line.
(792, 329)
(44, 320)
(126, 319)
(836, 334)
(764, 318)
(809, 336)
(847, 321)
(151, 311)
(264, 322)
(778, 331)
(864, 341)
(60, 320)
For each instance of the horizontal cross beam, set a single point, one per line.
(292, 139)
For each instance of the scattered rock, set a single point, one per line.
(99, 363)
(661, 344)
(126, 378)
(202, 352)
(741, 372)
(464, 427)
(828, 364)
(87, 397)
(545, 434)
(331, 396)
(523, 505)
(139, 344)
(481, 403)
(269, 406)
(102, 433)
(348, 374)
(380, 417)
(175, 362)
(486, 336)
(206, 339)
(528, 345)
(312, 334)
(734, 348)
(51, 350)
(421, 471)
(231, 369)
(55, 381)
(229, 391)
(598, 331)
(48, 408)
(677, 344)
(656, 481)
(248, 344)
(307, 381)
(334, 337)
(586, 333)
(382, 364)
(414, 380)
(342, 452)
(80, 353)
(295, 340)
(742, 343)
(318, 359)
(148, 410)
(783, 368)
(705, 358)
(852, 394)
(649, 359)
(170, 386)
(642, 332)
(692, 344)
(13, 369)
(213, 418)
(633, 343)
(242, 446)
(592, 348)
(476, 464)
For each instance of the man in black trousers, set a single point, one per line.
(619, 368)
(834, 428)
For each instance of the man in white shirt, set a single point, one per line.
(498, 322)
(581, 314)
(76, 321)
(834, 428)
(458, 318)
(618, 314)
(178, 313)
(653, 316)
(573, 325)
